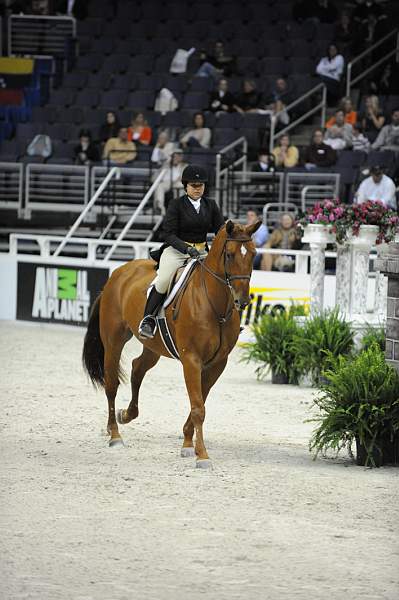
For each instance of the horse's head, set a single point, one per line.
(236, 251)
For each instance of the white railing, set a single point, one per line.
(221, 175)
(315, 193)
(327, 183)
(56, 188)
(114, 172)
(272, 212)
(394, 34)
(11, 186)
(135, 215)
(87, 246)
(39, 35)
(320, 106)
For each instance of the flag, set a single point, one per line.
(16, 73)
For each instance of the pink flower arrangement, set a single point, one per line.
(342, 219)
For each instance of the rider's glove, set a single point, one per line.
(193, 252)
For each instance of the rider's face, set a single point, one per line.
(195, 190)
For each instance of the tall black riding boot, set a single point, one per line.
(148, 325)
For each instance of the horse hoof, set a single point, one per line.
(119, 416)
(116, 443)
(204, 463)
(187, 452)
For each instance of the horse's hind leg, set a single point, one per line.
(209, 377)
(112, 353)
(140, 366)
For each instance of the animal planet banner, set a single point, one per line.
(57, 293)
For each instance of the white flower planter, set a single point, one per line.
(367, 236)
(316, 233)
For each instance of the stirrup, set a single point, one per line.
(148, 327)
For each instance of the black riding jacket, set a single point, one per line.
(183, 224)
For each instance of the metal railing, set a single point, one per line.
(87, 246)
(128, 190)
(295, 182)
(40, 35)
(11, 186)
(316, 193)
(272, 212)
(250, 189)
(394, 34)
(114, 172)
(221, 174)
(320, 88)
(59, 188)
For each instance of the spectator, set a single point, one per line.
(86, 152)
(249, 99)
(139, 130)
(388, 138)
(377, 187)
(280, 91)
(265, 162)
(110, 128)
(350, 115)
(339, 135)
(163, 150)
(359, 141)
(199, 136)
(285, 155)
(221, 100)
(171, 181)
(345, 34)
(119, 150)
(372, 118)
(330, 70)
(260, 236)
(285, 236)
(318, 154)
(325, 11)
(217, 64)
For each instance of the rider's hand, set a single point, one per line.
(193, 252)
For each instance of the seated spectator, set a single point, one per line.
(339, 135)
(139, 131)
(221, 100)
(118, 150)
(171, 181)
(163, 150)
(359, 140)
(110, 128)
(217, 64)
(280, 90)
(266, 162)
(86, 152)
(276, 109)
(286, 236)
(285, 155)
(199, 136)
(249, 100)
(372, 119)
(318, 154)
(345, 34)
(350, 115)
(377, 187)
(330, 70)
(260, 236)
(388, 138)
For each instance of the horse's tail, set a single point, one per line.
(93, 348)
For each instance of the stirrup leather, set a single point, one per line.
(148, 327)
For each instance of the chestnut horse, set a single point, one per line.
(205, 330)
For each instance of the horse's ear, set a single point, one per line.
(229, 227)
(252, 228)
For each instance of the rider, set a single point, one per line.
(187, 222)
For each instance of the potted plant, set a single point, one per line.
(360, 404)
(317, 222)
(322, 337)
(272, 348)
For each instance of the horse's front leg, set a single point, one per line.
(192, 375)
(209, 376)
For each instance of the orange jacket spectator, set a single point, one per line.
(139, 130)
(350, 114)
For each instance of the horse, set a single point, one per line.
(204, 324)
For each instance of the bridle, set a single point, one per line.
(226, 280)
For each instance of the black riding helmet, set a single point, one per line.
(194, 174)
